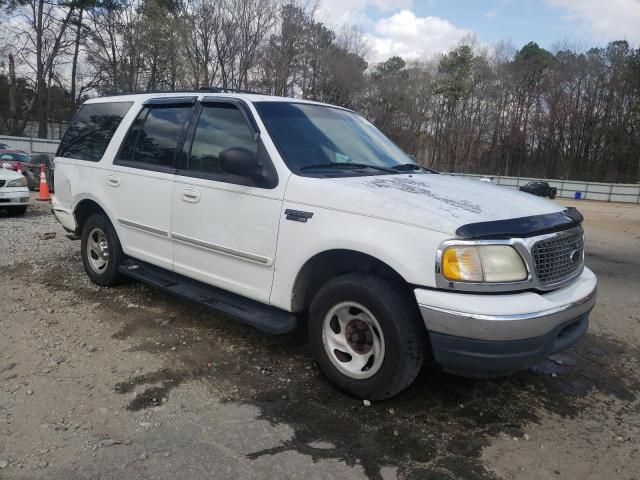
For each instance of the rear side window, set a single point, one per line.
(220, 126)
(154, 135)
(91, 130)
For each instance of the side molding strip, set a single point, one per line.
(252, 257)
(144, 228)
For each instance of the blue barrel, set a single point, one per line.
(578, 196)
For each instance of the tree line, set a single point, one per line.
(566, 113)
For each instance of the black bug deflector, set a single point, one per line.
(522, 227)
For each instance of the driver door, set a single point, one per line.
(224, 228)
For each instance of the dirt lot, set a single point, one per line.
(130, 383)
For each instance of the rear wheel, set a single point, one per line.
(101, 251)
(552, 194)
(366, 336)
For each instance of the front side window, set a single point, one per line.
(220, 126)
(154, 135)
(317, 139)
(91, 130)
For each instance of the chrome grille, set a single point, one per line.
(558, 258)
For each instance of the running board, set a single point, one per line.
(263, 317)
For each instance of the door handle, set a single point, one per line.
(113, 181)
(190, 195)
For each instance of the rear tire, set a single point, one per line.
(366, 336)
(552, 194)
(101, 251)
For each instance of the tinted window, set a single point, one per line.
(220, 126)
(129, 144)
(91, 130)
(153, 137)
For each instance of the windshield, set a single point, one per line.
(15, 157)
(316, 139)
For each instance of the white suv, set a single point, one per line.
(273, 210)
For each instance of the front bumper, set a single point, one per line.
(498, 334)
(14, 197)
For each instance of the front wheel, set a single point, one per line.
(366, 336)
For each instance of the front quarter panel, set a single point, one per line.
(408, 249)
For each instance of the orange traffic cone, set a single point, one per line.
(44, 188)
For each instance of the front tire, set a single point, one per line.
(101, 251)
(17, 211)
(366, 336)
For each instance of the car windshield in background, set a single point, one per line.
(15, 157)
(322, 140)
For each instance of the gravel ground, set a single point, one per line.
(130, 383)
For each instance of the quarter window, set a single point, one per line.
(154, 135)
(91, 130)
(220, 126)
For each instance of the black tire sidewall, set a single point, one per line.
(395, 314)
(111, 274)
(16, 211)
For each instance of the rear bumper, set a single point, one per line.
(491, 335)
(14, 197)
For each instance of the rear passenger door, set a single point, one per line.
(142, 175)
(224, 227)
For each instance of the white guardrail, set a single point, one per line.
(605, 192)
(30, 144)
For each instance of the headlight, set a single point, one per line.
(482, 263)
(18, 182)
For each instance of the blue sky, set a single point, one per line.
(423, 28)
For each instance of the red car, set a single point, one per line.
(12, 158)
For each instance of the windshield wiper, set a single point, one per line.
(403, 167)
(345, 165)
(407, 166)
(77, 139)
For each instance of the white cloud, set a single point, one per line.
(606, 19)
(338, 12)
(387, 5)
(413, 37)
(401, 33)
(490, 14)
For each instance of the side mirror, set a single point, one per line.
(240, 161)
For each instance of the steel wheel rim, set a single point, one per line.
(353, 340)
(97, 250)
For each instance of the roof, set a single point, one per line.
(251, 97)
(19, 152)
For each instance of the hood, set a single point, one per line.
(436, 202)
(6, 174)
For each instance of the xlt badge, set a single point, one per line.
(298, 215)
